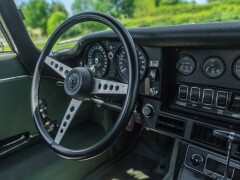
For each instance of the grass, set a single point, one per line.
(41, 46)
(56, 47)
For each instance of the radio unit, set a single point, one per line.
(211, 164)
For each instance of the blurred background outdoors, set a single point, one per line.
(43, 16)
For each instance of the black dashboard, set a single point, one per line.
(189, 78)
(190, 71)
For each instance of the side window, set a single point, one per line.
(4, 46)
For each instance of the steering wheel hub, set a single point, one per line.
(78, 83)
(73, 82)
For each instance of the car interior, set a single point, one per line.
(138, 103)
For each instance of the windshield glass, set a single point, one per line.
(43, 16)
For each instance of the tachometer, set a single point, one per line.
(97, 60)
(123, 63)
(213, 67)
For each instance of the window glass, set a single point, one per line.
(43, 16)
(4, 46)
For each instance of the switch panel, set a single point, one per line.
(235, 105)
(183, 92)
(223, 102)
(195, 94)
(207, 96)
(221, 99)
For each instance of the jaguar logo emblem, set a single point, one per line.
(73, 81)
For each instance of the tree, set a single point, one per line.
(57, 6)
(116, 8)
(54, 20)
(81, 5)
(36, 13)
(122, 8)
(144, 8)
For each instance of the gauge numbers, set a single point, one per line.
(186, 65)
(97, 60)
(213, 67)
(236, 68)
(123, 63)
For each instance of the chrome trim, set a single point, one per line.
(217, 99)
(199, 90)
(13, 78)
(57, 66)
(204, 95)
(102, 86)
(179, 92)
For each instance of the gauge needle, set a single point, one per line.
(123, 70)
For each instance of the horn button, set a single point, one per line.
(78, 83)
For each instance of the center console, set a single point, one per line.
(209, 164)
(200, 93)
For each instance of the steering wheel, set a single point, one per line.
(81, 84)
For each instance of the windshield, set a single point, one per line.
(43, 16)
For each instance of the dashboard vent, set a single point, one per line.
(204, 134)
(238, 150)
(170, 125)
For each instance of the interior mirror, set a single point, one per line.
(1, 47)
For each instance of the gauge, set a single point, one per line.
(236, 68)
(123, 63)
(213, 67)
(186, 65)
(97, 60)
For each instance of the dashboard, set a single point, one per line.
(189, 78)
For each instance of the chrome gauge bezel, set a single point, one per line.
(194, 63)
(220, 60)
(233, 68)
(119, 51)
(90, 47)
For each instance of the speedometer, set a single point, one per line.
(97, 60)
(123, 63)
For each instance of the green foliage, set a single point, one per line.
(186, 13)
(169, 2)
(143, 8)
(58, 7)
(55, 20)
(81, 5)
(36, 12)
(116, 8)
(132, 13)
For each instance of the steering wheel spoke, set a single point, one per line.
(58, 67)
(101, 86)
(67, 119)
(108, 105)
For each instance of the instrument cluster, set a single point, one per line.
(212, 67)
(111, 61)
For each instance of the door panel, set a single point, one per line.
(34, 160)
(11, 66)
(15, 114)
